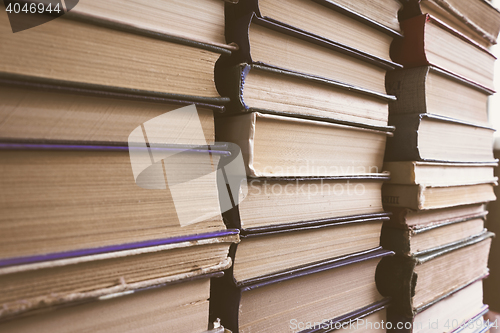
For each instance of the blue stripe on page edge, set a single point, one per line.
(112, 248)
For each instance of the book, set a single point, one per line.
(301, 295)
(198, 20)
(58, 278)
(428, 137)
(266, 89)
(458, 309)
(264, 253)
(331, 20)
(477, 19)
(440, 174)
(367, 319)
(37, 112)
(266, 42)
(181, 306)
(405, 217)
(66, 197)
(420, 197)
(422, 239)
(428, 89)
(414, 282)
(278, 146)
(429, 41)
(100, 57)
(280, 203)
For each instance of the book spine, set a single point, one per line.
(409, 86)
(410, 50)
(395, 278)
(225, 298)
(403, 145)
(395, 239)
(229, 81)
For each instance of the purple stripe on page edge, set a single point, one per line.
(112, 248)
(108, 148)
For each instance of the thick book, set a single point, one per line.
(460, 309)
(270, 90)
(267, 42)
(477, 19)
(367, 319)
(428, 41)
(429, 137)
(39, 112)
(280, 203)
(421, 239)
(408, 218)
(272, 303)
(197, 20)
(57, 278)
(417, 281)
(421, 197)
(177, 306)
(440, 174)
(277, 250)
(331, 20)
(279, 146)
(428, 89)
(61, 197)
(85, 54)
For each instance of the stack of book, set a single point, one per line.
(108, 169)
(441, 164)
(309, 112)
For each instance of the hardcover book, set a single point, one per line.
(278, 146)
(356, 26)
(417, 281)
(428, 41)
(477, 19)
(273, 303)
(428, 89)
(270, 90)
(57, 278)
(180, 306)
(266, 42)
(428, 137)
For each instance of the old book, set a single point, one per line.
(57, 278)
(405, 217)
(198, 20)
(477, 19)
(428, 41)
(263, 41)
(278, 146)
(458, 309)
(66, 197)
(180, 306)
(267, 89)
(303, 294)
(265, 253)
(428, 89)
(417, 281)
(428, 137)
(331, 20)
(420, 197)
(367, 319)
(41, 112)
(421, 239)
(440, 174)
(92, 55)
(280, 203)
